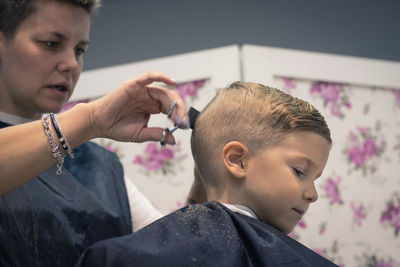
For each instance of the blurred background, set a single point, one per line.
(134, 30)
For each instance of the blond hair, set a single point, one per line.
(253, 114)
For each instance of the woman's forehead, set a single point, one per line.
(58, 17)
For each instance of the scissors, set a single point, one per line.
(192, 113)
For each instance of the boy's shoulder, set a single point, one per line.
(204, 235)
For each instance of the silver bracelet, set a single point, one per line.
(54, 147)
(61, 136)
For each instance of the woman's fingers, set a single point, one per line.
(155, 134)
(153, 76)
(171, 104)
(163, 96)
(123, 114)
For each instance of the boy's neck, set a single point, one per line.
(226, 193)
(230, 200)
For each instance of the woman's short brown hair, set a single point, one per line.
(14, 12)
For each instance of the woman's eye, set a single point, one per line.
(51, 44)
(79, 51)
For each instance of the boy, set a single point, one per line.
(258, 152)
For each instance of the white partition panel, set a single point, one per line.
(262, 64)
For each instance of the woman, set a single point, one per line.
(51, 209)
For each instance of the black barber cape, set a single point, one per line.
(203, 235)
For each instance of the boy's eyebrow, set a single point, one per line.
(305, 158)
(64, 37)
(310, 162)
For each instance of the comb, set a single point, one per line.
(193, 113)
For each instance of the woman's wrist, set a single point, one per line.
(77, 125)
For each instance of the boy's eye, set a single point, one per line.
(298, 172)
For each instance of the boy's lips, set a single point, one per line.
(299, 211)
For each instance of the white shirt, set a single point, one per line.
(241, 209)
(142, 210)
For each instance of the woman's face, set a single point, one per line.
(40, 65)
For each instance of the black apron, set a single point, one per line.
(50, 220)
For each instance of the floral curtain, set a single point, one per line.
(356, 221)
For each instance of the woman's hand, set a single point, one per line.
(123, 114)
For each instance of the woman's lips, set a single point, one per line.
(59, 90)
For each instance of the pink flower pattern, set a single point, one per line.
(302, 224)
(157, 158)
(358, 212)
(391, 215)
(331, 189)
(190, 89)
(288, 85)
(363, 148)
(333, 96)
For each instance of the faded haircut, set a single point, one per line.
(254, 114)
(14, 12)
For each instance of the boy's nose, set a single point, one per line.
(310, 194)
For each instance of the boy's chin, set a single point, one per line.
(285, 229)
(288, 231)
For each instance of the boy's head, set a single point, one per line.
(259, 147)
(14, 12)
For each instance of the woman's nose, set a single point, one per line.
(69, 63)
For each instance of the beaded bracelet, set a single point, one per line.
(61, 136)
(54, 147)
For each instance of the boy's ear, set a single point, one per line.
(235, 156)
